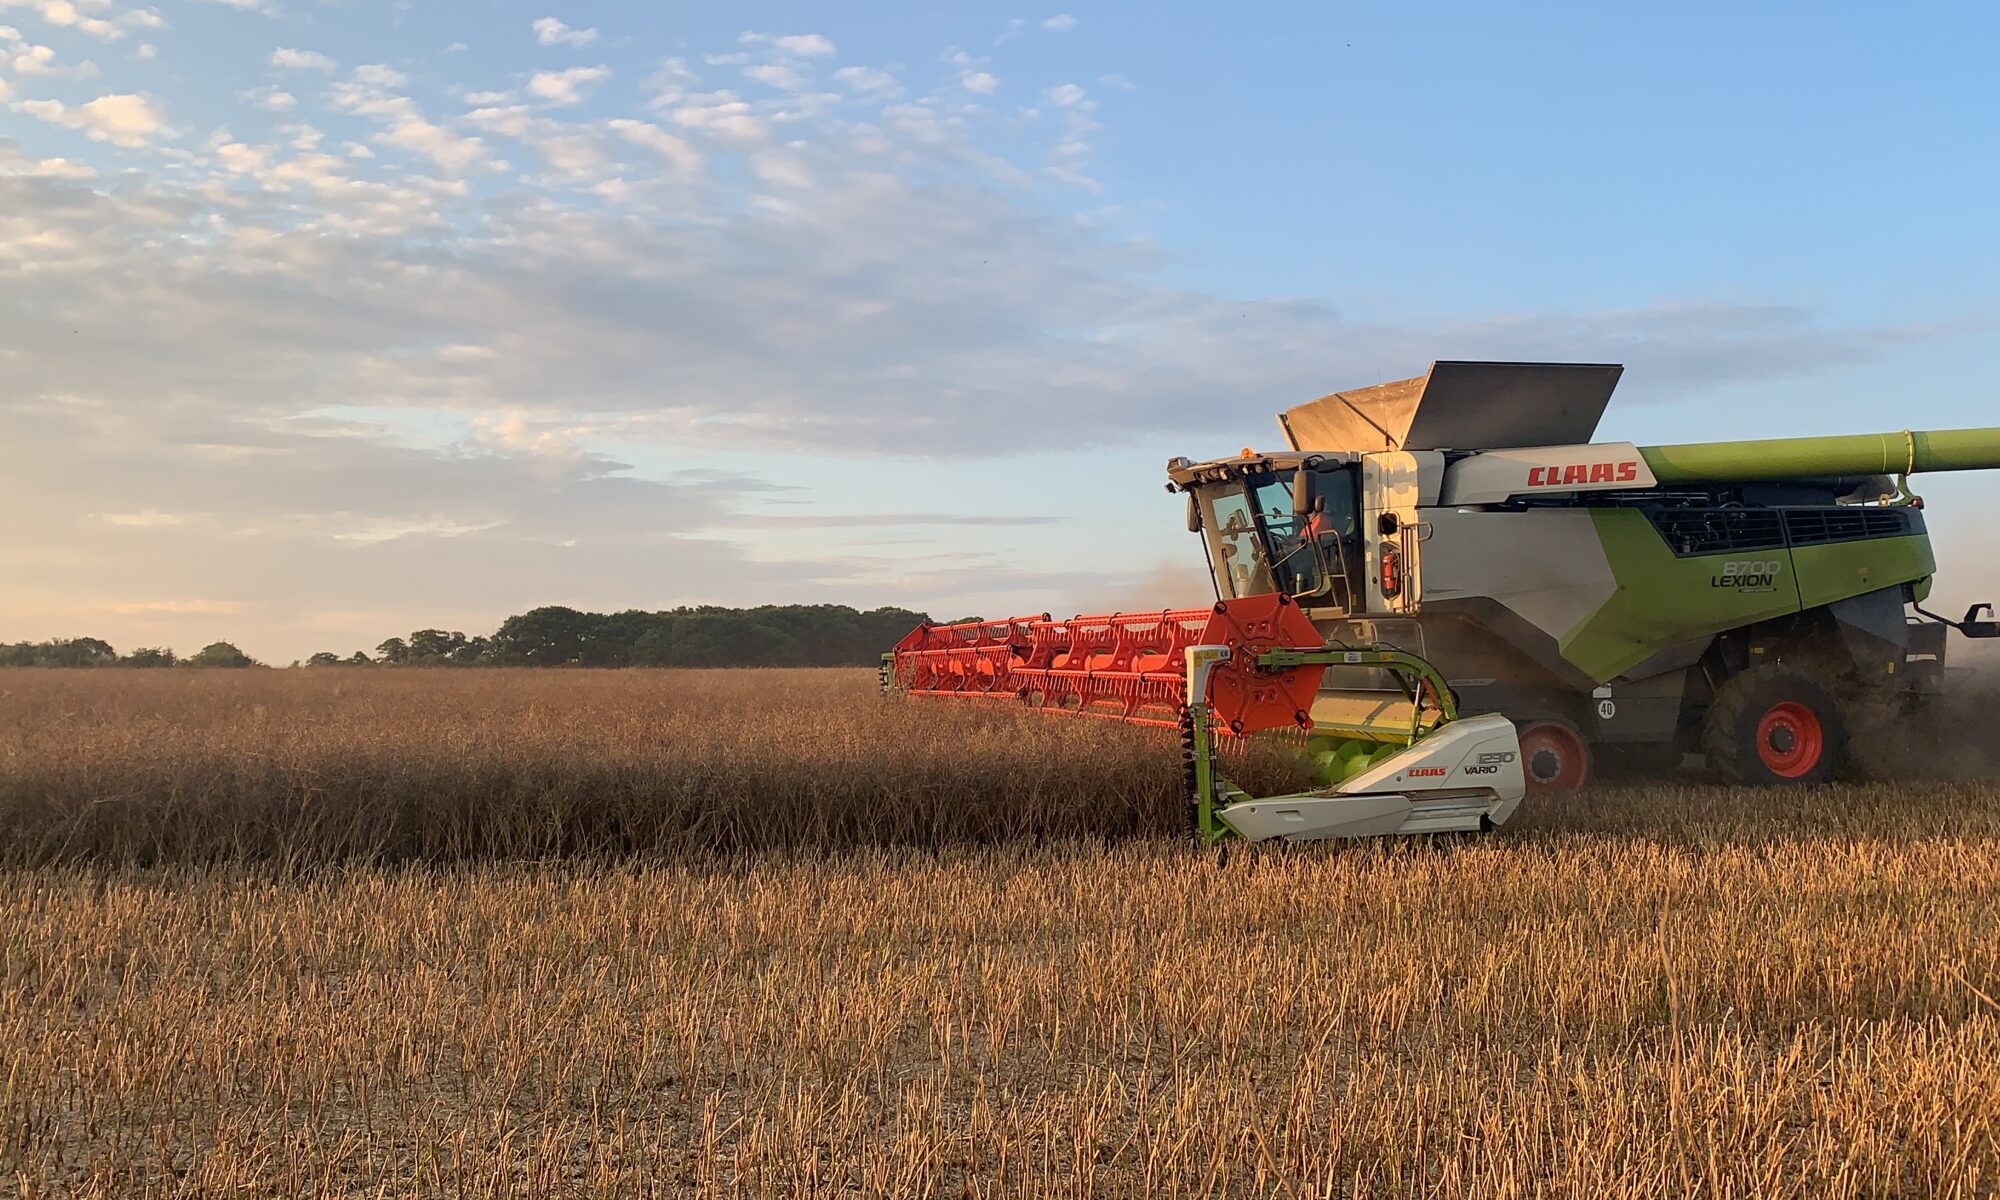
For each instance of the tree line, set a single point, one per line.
(772, 635)
(96, 652)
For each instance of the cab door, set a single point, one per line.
(1392, 531)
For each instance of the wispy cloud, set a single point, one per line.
(292, 59)
(567, 86)
(122, 119)
(550, 31)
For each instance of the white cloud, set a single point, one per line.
(123, 120)
(30, 59)
(147, 519)
(431, 526)
(676, 150)
(301, 60)
(379, 75)
(800, 45)
(671, 82)
(47, 168)
(451, 152)
(406, 127)
(177, 608)
(551, 32)
(145, 50)
(484, 99)
(566, 87)
(980, 82)
(270, 99)
(777, 75)
(866, 80)
(1060, 23)
(721, 113)
(239, 159)
(65, 15)
(805, 45)
(1067, 95)
(783, 170)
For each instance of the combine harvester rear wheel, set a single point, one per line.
(1237, 669)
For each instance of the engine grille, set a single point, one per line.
(1692, 532)
(1697, 531)
(1814, 526)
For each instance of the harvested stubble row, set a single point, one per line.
(1665, 991)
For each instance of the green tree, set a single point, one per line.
(149, 656)
(87, 652)
(221, 654)
(434, 645)
(360, 659)
(551, 636)
(395, 652)
(325, 658)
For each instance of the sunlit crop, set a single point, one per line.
(462, 934)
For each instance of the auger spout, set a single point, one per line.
(1905, 452)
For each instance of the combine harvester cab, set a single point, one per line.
(1734, 600)
(1246, 666)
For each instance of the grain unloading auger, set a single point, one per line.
(1243, 667)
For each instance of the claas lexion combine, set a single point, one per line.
(1450, 597)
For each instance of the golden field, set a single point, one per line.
(356, 933)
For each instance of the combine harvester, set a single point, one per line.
(1456, 596)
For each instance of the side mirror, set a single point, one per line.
(1389, 524)
(1194, 514)
(1304, 491)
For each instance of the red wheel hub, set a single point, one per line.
(1790, 739)
(1553, 757)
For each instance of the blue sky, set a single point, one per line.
(325, 321)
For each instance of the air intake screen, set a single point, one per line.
(1692, 532)
(1696, 531)
(1815, 526)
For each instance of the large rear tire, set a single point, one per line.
(1775, 726)
(1554, 756)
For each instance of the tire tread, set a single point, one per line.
(1728, 731)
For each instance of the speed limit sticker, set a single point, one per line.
(1606, 709)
